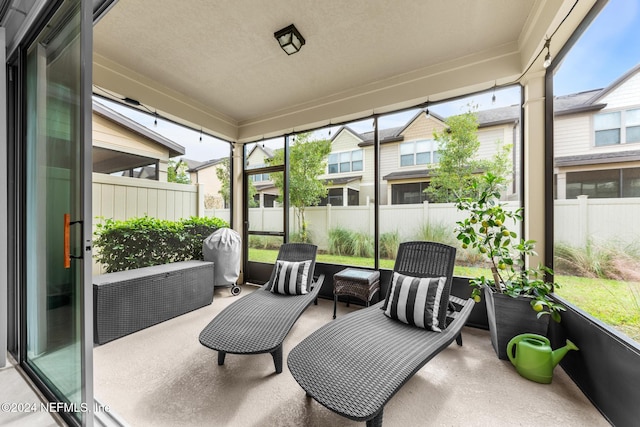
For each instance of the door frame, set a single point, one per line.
(16, 253)
(253, 271)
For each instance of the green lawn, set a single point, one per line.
(614, 302)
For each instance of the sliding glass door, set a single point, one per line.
(56, 194)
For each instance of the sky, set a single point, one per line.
(607, 49)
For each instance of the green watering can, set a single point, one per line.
(533, 358)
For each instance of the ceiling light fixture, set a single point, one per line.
(547, 58)
(290, 39)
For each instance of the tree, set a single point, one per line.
(223, 173)
(307, 160)
(459, 169)
(177, 172)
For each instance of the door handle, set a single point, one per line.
(67, 240)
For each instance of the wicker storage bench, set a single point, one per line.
(128, 301)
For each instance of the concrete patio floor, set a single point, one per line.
(24, 401)
(162, 376)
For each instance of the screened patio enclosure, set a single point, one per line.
(216, 67)
(227, 75)
(361, 61)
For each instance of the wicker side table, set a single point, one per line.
(354, 282)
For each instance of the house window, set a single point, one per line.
(260, 177)
(347, 161)
(595, 184)
(631, 182)
(610, 131)
(335, 196)
(269, 200)
(406, 194)
(353, 197)
(607, 128)
(632, 123)
(422, 152)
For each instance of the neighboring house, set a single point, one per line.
(350, 166)
(407, 157)
(204, 174)
(125, 148)
(597, 141)
(266, 191)
(597, 150)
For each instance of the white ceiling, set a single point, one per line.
(216, 64)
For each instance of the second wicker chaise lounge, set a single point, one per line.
(260, 321)
(355, 364)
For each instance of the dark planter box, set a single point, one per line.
(509, 317)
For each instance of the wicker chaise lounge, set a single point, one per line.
(260, 321)
(355, 364)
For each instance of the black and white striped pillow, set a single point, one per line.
(291, 278)
(416, 300)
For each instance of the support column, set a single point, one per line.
(237, 203)
(534, 164)
(236, 179)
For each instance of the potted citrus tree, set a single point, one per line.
(517, 298)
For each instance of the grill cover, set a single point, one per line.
(223, 248)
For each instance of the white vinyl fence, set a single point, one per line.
(576, 220)
(121, 198)
(602, 220)
(406, 220)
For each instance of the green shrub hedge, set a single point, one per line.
(146, 241)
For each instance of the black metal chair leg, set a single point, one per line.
(277, 359)
(459, 339)
(221, 355)
(376, 421)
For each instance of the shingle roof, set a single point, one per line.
(423, 173)
(195, 165)
(343, 180)
(385, 135)
(498, 116)
(191, 164)
(577, 102)
(592, 159)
